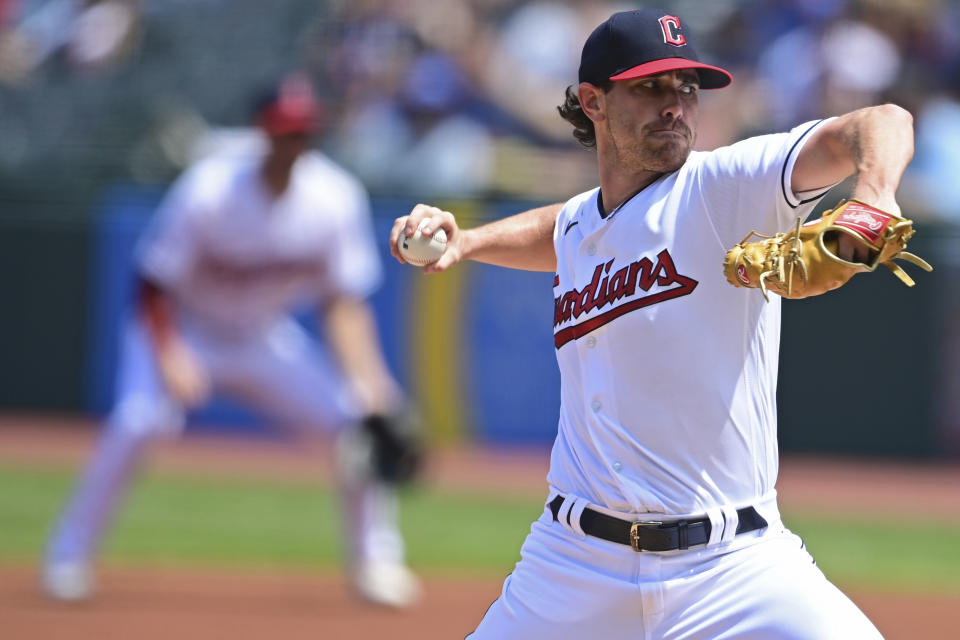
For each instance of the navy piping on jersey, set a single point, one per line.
(624, 203)
(783, 171)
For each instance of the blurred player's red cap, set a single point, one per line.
(644, 42)
(290, 107)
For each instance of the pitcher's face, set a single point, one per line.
(651, 122)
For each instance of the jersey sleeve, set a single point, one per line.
(568, 218)
(166, 251)
(746, 186)
(353, 265)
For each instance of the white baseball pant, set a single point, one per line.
(758, 586)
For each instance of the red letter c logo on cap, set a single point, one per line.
(671, 31)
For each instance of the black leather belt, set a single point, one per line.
(654, 535)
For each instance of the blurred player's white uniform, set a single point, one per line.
(235, 260)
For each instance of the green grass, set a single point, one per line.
(870, 551)
(173, 519)
(219, 521)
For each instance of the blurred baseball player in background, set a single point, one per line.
(240, 242)
(662, 518)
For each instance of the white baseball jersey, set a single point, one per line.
(669, 374)
(235, 258)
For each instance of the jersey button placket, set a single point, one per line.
(592, 359)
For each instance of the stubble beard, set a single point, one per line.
(661, 156)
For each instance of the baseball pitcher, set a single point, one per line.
(662, 519)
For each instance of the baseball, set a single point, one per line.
(420, 250)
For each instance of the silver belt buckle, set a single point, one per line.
(635, 532)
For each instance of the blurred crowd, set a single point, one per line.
(457, 99)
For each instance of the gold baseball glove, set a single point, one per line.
(803, 262)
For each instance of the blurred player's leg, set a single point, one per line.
(142, 411)
(374, 544)
(67, 572)
(289, 377)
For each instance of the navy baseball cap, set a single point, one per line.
(644, 42)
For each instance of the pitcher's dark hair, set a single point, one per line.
(572, 112)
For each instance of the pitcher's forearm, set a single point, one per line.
(882, 144)
(874, 143)
(523, 241)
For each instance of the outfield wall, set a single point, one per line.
(871, 369)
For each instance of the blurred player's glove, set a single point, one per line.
(803, 261)
(397, 454)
